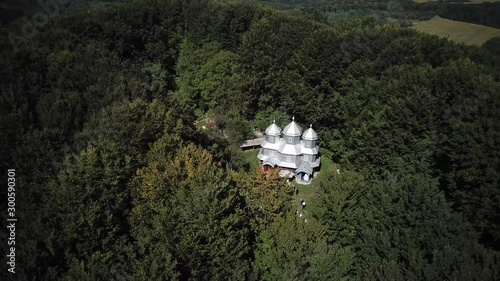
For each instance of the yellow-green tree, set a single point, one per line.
(190, 207)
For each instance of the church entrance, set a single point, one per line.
(303, 177)
(267, 168)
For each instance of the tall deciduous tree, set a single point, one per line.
(190, 207)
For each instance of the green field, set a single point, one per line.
(470, 2)
(482, 1)
(461, 32)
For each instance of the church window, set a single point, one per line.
(271, 153)
(271, 139)
(288, 159)
(290, 140)
(308, 144)
(306, 158)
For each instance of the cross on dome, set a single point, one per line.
(292, 129)
(273, 130)
(310, 134)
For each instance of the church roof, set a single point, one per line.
(269, 161)
(273, 130)
(271, 145)
(292, 129)
(289, 149)
(308, 150)
(304, 167)
(310, 134)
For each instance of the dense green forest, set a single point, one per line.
(478, 13)
(115, 181)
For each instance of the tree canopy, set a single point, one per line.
(124, 120)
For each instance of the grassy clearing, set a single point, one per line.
(251, 157)
(311, 192)
(482, 1)
(461, 32)
(307, 192)
(470, 2)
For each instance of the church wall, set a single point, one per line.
(273, 139)
(265, 151)
(310, 158)
(291, 140)
(309, 144)
(270, 152)
(283, 157)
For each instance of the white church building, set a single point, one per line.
(291, 150)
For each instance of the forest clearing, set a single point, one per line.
(460, 32)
